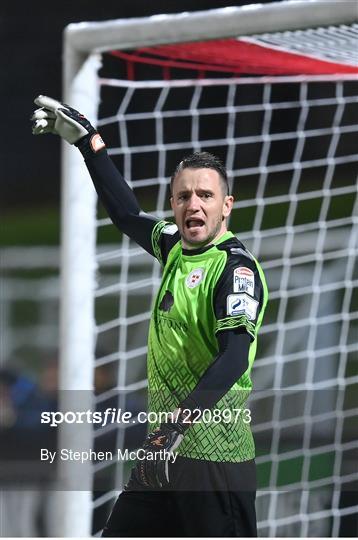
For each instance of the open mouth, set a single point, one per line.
(192, 223)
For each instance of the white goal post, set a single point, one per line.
(83, 45)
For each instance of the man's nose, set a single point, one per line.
(194, 202)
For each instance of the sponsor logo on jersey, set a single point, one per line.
(195, 278)
(242, 304)
(244, 280)
(167, 301)
(170, 229)
(163, 323)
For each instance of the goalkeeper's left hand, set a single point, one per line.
(152, 470)
(61, 119)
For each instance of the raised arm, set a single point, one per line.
(115, 194)
(117, 197)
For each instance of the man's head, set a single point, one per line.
(200, 200)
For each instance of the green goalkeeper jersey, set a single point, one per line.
(203, 292)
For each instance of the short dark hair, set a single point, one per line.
(203, 160)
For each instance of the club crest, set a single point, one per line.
(195, 278)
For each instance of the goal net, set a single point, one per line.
(280, 109)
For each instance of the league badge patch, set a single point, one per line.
(242, 304)
(244, 280)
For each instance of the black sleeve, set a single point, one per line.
(229, 365)
(239, 294)
(120, 201)
(156, 236)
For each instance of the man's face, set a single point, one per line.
(199, 206)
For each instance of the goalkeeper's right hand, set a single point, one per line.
(60, 119)
(152, 469)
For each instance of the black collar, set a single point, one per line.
(197, 251)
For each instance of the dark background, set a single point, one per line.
(31, 64)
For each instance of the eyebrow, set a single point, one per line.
(200, 191)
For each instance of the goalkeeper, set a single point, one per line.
(201, 346)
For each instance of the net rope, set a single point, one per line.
(296, 210)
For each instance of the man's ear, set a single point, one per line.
(171, 202)
(227, 207)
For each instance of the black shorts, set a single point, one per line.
(205, 499)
